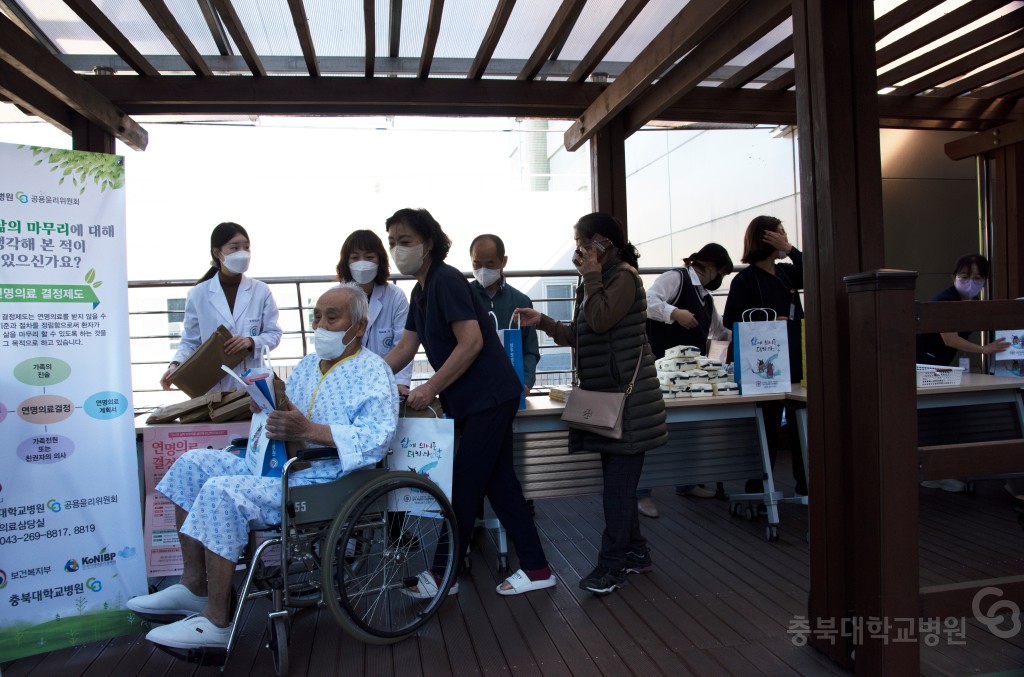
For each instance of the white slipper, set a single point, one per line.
(426, 587)
(194, 632)
(521, 583)
(175, 600)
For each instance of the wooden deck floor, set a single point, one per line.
(719, 602)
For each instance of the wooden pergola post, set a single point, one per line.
(608, 170)
(90, 137)
(841, 208)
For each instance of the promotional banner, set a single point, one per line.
(70, 518)
(162, 445)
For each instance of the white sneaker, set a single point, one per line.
(951, 485)
(194, 632)
(176, 600)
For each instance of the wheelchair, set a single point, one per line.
(347, 545)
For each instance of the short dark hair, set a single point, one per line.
(754, 247)
(426, 227)
(967, 260)
(498, 244)
(367, 241)
(600, 223)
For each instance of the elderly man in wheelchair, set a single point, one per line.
(343, 397)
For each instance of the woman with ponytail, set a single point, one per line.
(225, 296)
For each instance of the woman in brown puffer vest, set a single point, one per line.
(608, 334)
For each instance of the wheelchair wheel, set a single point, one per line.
(278, 644)
(377, 553)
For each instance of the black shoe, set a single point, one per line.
(603, 580)
(639, 562)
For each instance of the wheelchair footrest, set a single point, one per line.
(209, 656)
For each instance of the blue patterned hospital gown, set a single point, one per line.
(358, 399)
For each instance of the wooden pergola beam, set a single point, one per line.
(1010, 87)
(216, 26)
(26, 94)
(885, 24)
(993, 52)
(369, 36)
(491, 38)
(301, 22)
(998, 28)
(29, 58)
(233, 24)
(977, 81)
(395, 25)
(300, 95)
(983, 142)
(563, 22)
(430, 38)
(174, 33)
(622, 20)
(736, 34)
(697, 20)
(936, 30)
(110, 34)
(759, 65)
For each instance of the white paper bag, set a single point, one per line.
(425, 446)
(761, 353)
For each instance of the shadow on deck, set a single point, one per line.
(721, 600)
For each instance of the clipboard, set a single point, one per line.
(202, 370)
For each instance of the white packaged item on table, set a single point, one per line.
(698, 376)
(680, 351)
(700, 390)
(680, 378)
(665, 364)
(666, 392)
(725, 388)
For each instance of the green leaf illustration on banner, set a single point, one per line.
(105, 171)
(48, 293)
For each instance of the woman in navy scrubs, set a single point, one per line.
(477, 386)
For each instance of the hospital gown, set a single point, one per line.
(358, 399)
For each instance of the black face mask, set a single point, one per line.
(714, 283)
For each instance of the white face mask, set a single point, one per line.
(409, 260)
(237, 262)
(329, 345)
(363, 271)
(486, 276)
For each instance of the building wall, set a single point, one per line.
(929, 205)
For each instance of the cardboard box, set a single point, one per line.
(202, 370)
(170, 412)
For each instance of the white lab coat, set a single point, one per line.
(254, 316)
(385, 324)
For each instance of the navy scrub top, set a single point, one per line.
(931, 349)
(446, 297)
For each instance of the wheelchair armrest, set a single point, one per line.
(317, 454)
